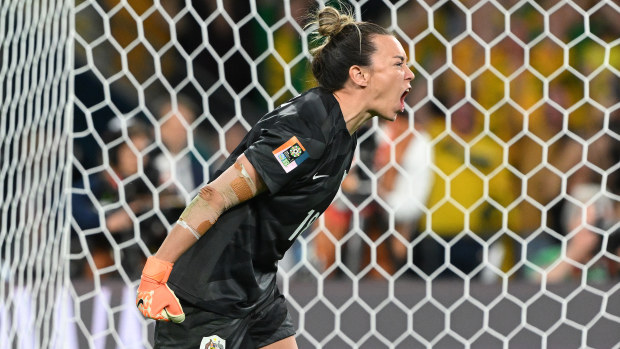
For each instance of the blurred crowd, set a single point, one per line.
(504, 163)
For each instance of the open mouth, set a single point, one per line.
(402, 99)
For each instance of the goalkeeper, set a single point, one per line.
(221, 257)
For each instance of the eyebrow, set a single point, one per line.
(399, 57)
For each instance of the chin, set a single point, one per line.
(387, 114)
(389, 117)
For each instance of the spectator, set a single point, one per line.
(402, 164)
(584, 221)
(337, 223)
(351, 204)
(233, 134)
(179, 164)
(588, 214)
(466, 190)
(402, 185)
(112, 203)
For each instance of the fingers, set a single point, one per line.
(177, 319)
(167, 306)
(154, 299)
(173, 309)
(144, 300)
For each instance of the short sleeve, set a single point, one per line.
(285, 151)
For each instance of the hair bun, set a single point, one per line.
(331, 21)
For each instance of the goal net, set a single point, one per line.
(35, 157)
(486, 215)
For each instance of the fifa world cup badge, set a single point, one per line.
(213, 342)
(290, 154)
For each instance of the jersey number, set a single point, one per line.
(310, 218)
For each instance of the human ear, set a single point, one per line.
(358, 75)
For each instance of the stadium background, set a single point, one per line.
(514, 109)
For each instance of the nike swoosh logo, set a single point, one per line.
(317, 176)
(140, 301)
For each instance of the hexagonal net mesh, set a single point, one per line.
(486, 215)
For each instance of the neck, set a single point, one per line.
(354, 112)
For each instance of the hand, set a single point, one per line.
(155, 299)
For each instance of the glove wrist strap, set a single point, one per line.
(157, 269)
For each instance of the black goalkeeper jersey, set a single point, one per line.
(302, 150)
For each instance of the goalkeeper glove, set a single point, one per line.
(155, 299)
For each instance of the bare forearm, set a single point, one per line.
(197, 218)
(237, 184)
(176, 243)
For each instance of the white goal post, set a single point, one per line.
(487, 215)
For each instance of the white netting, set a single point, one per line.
(485, 216)
(35, 61)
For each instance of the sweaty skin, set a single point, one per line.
(232, 187)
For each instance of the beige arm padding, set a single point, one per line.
(236, 184)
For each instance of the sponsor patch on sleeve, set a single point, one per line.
(290, 154)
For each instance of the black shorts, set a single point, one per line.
(266, 325)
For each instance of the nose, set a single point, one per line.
(409, 74)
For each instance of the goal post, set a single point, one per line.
(486, 215)
(36, 55)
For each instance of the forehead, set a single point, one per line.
(387, 46)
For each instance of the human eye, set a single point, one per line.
(400, 61)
